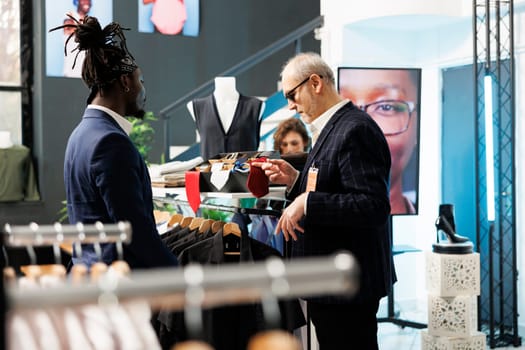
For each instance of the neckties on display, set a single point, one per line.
(193, 193)
(219, 178)
(257, 181)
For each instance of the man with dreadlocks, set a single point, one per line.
(106, 179)
(82, 10)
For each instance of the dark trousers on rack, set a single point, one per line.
(345, 326)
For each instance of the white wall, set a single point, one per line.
(432, 35)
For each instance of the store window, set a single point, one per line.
(16, 72)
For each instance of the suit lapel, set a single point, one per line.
(320, 141)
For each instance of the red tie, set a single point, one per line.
(193, 192)
(257, 181)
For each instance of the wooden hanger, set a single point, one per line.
(52, 275)
(31, 271)
(205, 225)
(54, 269)
(186, 221)
(67, 247)
(31, 275)
(175, 219)
(216, 226)
(231, 228)
(161, 216)
(78, 273)
(97, 270)
(273, 339)
(195, 223)
(192, 345)
(9, 276)
(44, 275)
(121, 268)
(231, 233)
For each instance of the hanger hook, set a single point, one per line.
(279, 287)
(194, 276)
(81, 238)
(33, 226)
(32, 254)
(102, 236)
(38, 239)
(56, 253)
(81, 233)
(77, 246)
(56, 245)
(98, 250)
(6, 256)
(123, 227)
(120, 250)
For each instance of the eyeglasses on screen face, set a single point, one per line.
(290, 95)
(392, 116)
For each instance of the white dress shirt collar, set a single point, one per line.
(319, 123)
(122, 122)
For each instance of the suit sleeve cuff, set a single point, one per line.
(289, 189)
(306, 202)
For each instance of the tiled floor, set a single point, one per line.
(393, 337)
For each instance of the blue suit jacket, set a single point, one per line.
(107, 180)
(350, 207)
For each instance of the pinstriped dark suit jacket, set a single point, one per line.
(350, 207)
(106, 180)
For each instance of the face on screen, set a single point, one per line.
(84, 6)
(390, 97)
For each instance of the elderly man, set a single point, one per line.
(340, 200)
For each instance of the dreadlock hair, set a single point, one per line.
(107, 56)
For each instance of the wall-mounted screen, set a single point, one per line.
(391, 96)
(58, 64)
(169, 17)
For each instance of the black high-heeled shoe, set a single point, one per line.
(445, 223)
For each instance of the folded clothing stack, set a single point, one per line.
(171, 174)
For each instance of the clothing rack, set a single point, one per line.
(34, 234)
(204, 286)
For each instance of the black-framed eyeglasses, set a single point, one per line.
(392, 116)
(290, 95)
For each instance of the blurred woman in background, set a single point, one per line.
(291, 137)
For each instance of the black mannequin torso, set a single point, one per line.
(226, 120)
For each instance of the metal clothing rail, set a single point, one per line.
(204, 286)
(34, 234)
